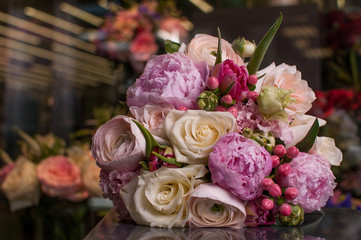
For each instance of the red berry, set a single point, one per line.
(233, 110)
(279, 150)
(292, 152)
(267, 204)
(284, 169)
(275, 161)
(267, 183)
(212, 83)
(275, 190)
(291, 193)
(182, 108)
(285, 209)
(252, 79)
(252, 95)
(227, 99)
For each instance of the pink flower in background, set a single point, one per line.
(4, 171)
(60, 177)
(239, 164)
(173, 27)
(203, 46)
(143, 46)
(118, 144)
(169, 78)
(311, 175)
(229, 73)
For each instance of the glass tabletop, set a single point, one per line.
(330, 223)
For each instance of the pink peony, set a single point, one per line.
(143, 46)
(312, 177)
(169, 78)
(229, 73)
(118, 145)
(60, 177)
(239, 164)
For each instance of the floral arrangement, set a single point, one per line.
(47, 167)
(212, 141)
(129, 35)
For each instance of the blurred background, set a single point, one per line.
(66, 64)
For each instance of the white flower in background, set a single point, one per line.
(213, 206)
(21, 186)
(193, 133)
(159, 198)
(326, 146)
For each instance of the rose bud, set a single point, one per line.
(267, 183)
(275, 190)
(295, 218)
(243, 47)
(252, 79)
(233, 110)
(227, 100)
(212, 83)
(275, 161)
(267, 204)
(253, 95)
(291, 193)
(285, 209)
(284, 169)
(220, 108)
(292, 152)
(279, 150)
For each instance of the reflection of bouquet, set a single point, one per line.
(46, 164)
(129, 35)
(213, 142)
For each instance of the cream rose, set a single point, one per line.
(326, 146)
(300, 127)
(203, 46)
(159, 198)
(21, 186)
(193, 133)
(288, 77)
(152, 116)
(212, 206)
(118, 144)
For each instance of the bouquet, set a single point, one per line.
(212, 141)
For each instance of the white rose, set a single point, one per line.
(193, 133)
(326, 146)
(152, 117)
(300, 127)
(21, 186)
(288, 77)
(203, 46)
(159, 198)
(212, 206)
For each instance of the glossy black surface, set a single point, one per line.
(330, 223)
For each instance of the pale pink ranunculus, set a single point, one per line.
(143, 46)
(60, 177)
(203, 46)
(152, 116)
(239, 164)
(288, 77)
(212, 206)
(118, 145)
(169, 78)
(230, 74)
(311, 175)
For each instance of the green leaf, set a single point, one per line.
(219, 49)
(229, 88)
(168, 160)
(170, 46)
(144, 165)
(307, 142)
(149, 139)
(261, 49)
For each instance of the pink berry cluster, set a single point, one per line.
(281, 164)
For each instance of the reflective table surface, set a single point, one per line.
(330, 223)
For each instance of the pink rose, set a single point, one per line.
(118, 145)
(288, 77)
(311, 175)
(239, 164)
(203, 46)
(229, 73)
(152, 116)
(60, 177)
(170, 78)
(143, 46)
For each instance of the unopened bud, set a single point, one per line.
(207, 100)
(212, 83)
(243, 47)
(295, 218)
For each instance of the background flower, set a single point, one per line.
(239, 164)
(169, 78)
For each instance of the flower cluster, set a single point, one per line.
(129, 35)
(45, 163)
(213, 142)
